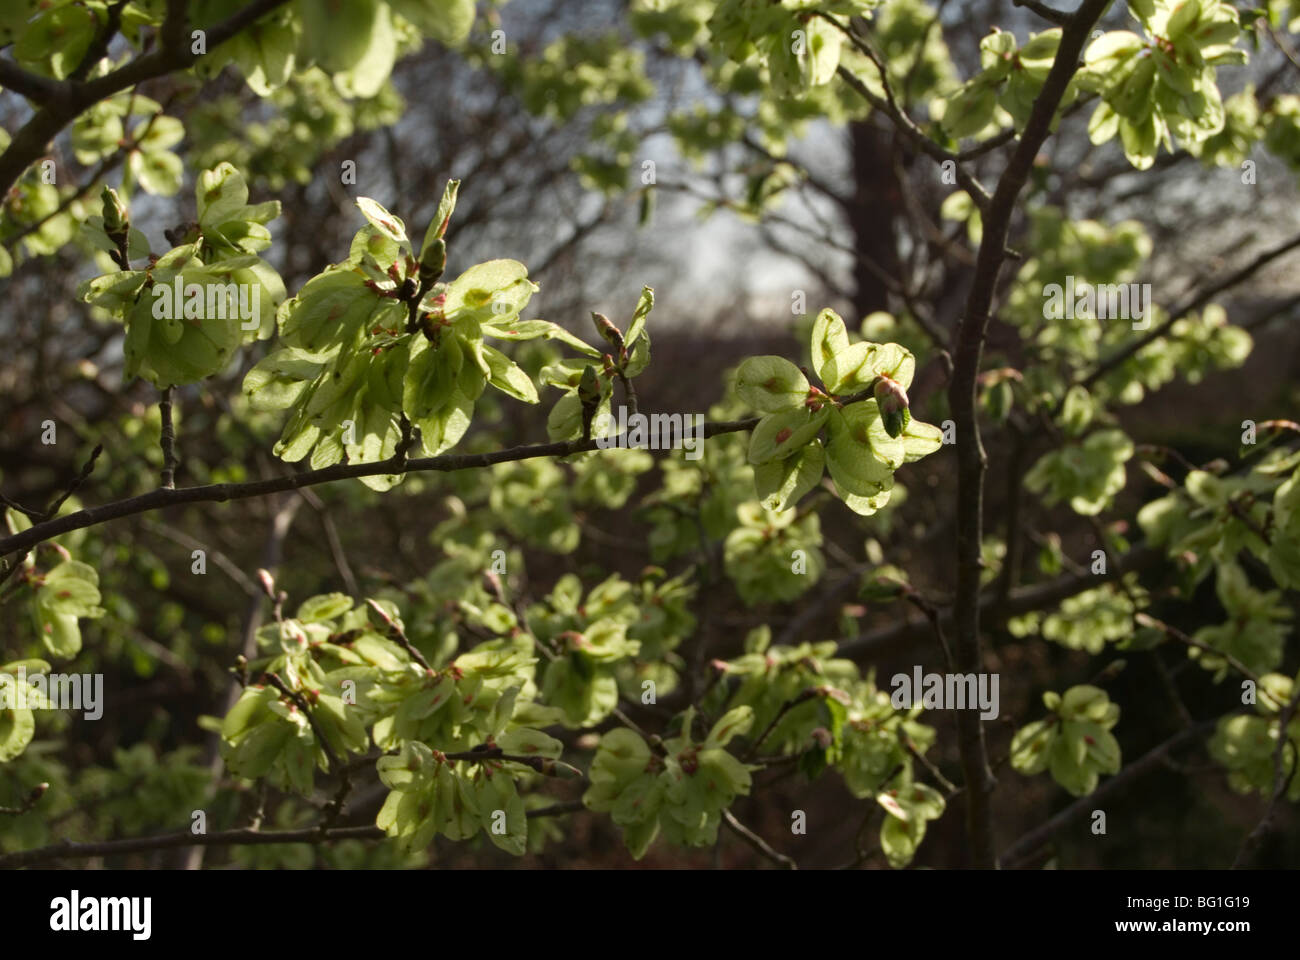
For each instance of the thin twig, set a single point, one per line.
(53, 509)
(28, 803)
(301, 703)
(757, 842)
(1030, 843)
(400, 636)
(168, 439)
(1058, 17)
(1174, 633)
(224, 492)
(971, 459)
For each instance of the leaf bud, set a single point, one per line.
(589, 386)
(267, 581)
(433, 261)
(612, 335)
(894, 405)
(116, 217)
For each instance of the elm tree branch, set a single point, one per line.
(1051, 15)
(1281, 783)
(224, 492)
(39, 90)
(1180, 311)
(1032, 841)
(301, 703)
(399, 635)
(226, 838)
(757, 842)
(931, 613)
(809, 694)
(28, 803)
(167, 439)
(971, 459)
(978, 194)
(99, 48)
(950, 788)
(62, 102)
(76, 483)
(170, 841)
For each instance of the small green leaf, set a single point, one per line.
(778, 435)
(386, 223)
(771, 384)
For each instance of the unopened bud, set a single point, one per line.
(558, 768)
(267, 581)
(589, 397)
(613, 336)
(894, 405)
(433, 261)
(589, 386)
(835, 693)
(115, 215)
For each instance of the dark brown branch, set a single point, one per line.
(543, 765)
(931, 613)
(28, 803)
(971, 459)
(36, 88)
(332, 539)
(978, 194)
(281, 522)
(225, 492)
(757, 842)
(786, 707)
(1058, 17)
(63, 102)
(228, 838)
(76, 483)
(99, 48)
(171, 841)
(400, 636)
(1174, 633)
(1039, 596)
(1030, 843)
(167, 440)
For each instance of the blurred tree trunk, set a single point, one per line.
(875, 206)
